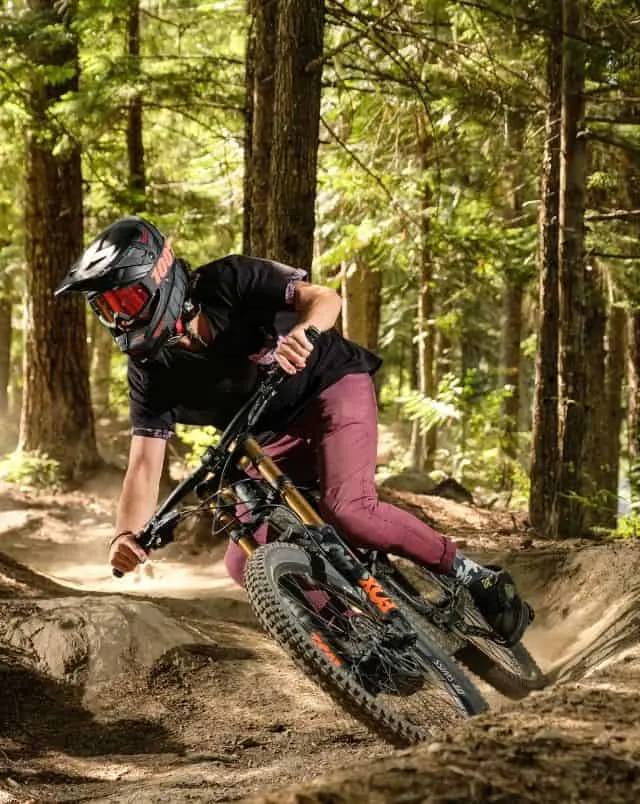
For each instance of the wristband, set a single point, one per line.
(118, 535)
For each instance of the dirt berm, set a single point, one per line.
(145, 697)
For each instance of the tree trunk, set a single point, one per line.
(633, 423)
(572, 268)
(361, 286)
(135, 146)
(249, 118)
(56, 413)
(544, 458)
(512, 301)
(613, 414)
(260, 89)
(6, 332)
(510, 381)
(596, 414)
(296, 119)
(16, 382)
(424, 442)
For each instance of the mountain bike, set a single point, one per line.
(355, 621)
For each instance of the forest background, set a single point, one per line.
(465, 173)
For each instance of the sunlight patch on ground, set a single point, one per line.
(16, 519)
(74, 553)
(157, 578)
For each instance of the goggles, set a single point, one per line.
(121, 308)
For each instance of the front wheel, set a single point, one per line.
(401, 689)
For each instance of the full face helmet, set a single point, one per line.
(134, 284)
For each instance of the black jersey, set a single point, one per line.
(249, 304)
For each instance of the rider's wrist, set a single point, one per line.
(119, 534)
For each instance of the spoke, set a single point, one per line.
(404, 679)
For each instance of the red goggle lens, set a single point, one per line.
(124, 303)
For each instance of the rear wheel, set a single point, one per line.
(512, 671)
(401, 688)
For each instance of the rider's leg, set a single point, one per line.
(342, 426)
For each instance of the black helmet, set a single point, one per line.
(134, 284)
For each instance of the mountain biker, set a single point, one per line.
(197, 343)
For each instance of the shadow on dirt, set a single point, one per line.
(42, 714)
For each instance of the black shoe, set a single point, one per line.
(497, 600)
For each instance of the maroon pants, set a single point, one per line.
(334, 444)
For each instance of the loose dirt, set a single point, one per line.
(161, 688)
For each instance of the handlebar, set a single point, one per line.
(164, 520)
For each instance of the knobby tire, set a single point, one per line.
(264, 571)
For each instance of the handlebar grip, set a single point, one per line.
(139, 538)
(278, 374)
(312, 333)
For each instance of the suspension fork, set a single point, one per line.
(344, 560)
(237, 529)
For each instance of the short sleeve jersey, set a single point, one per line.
(249, 304)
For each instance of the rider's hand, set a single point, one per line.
(293, 350)
(125, 553)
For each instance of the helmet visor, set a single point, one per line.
(122, 307)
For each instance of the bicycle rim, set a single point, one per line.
(403, 694)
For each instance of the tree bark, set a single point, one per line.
(57, 418)
(296, 120)
(572, 268)
(597, 433)
(633, 422)
(424, 443)
(613, 413)
(260, 88)
(512, 301)
(510, 381)
(135, 145)
(6, 333)
(361, 286)
(249, 117)
(545, 451)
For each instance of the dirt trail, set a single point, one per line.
(163, 689)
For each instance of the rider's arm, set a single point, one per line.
(318, 307)
(138, 500)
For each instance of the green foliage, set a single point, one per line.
(434, 412)
(628, 526)
(118, 388)
(197, 439)
(31, 469)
